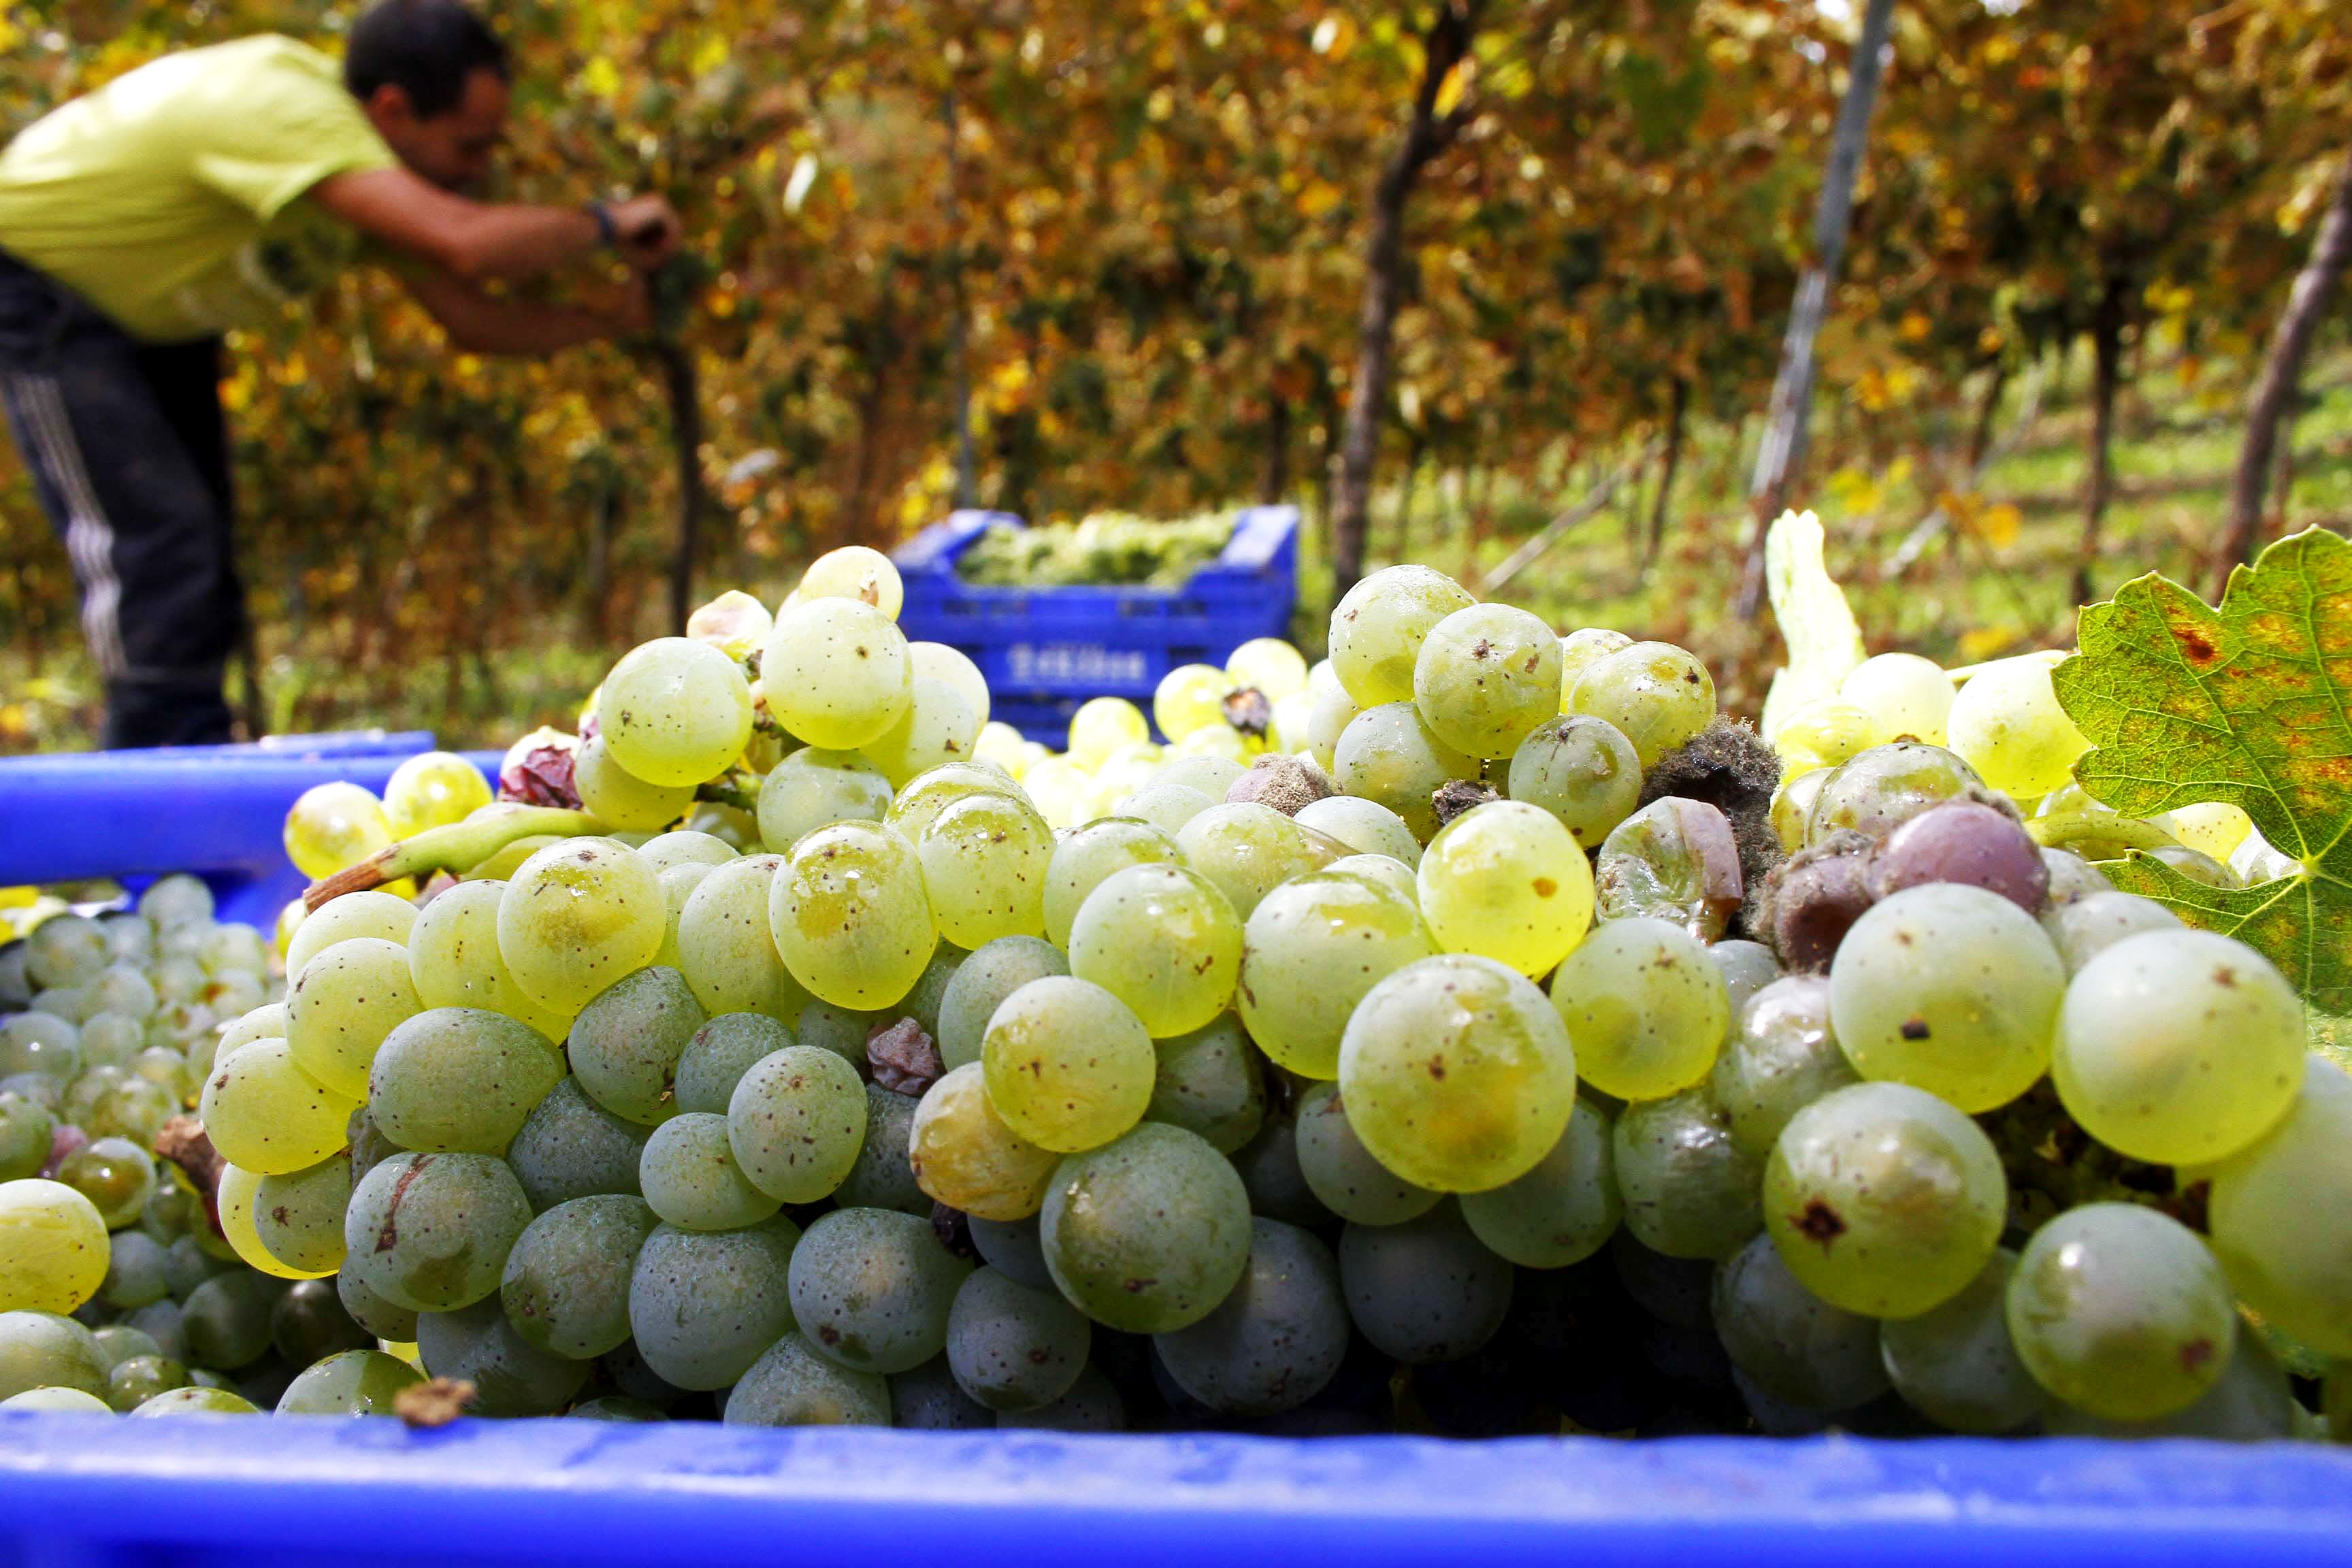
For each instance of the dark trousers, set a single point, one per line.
(129, 453)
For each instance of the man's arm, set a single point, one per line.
(478, 323)
(473, 240)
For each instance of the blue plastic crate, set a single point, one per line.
(1046, 651)
(217, 811)
(311, 1492)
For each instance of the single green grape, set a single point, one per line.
(1149, 1233)
(1827, 732)
(1906, 695)
(1564, 1209)
(1388, 755)
(678, 886)
(576, 917)
(1884, 1199)
(1068, 1065)
(796, 1121)
(850, 916)
(454, 962)
(1580, 650)
(1506, 881)
(854, 572)
(1458, 1073)
(1485, 677)
(873, 1288)
(1101, 726)
(1876, 790)
(1082, 859)
(2006, 723)
(1781, 1057)
(721, 1052)
(1188, 698)
(433, 789)
(1379, 625)
(1645, 1006)
(2177, 1047)
(2121, 1311)
(369, 913)
(980, 985)
(55, 1245)
(1689, 1190)
(40, 1042)
(964, 1154)
(1423, 1291)
(727, 948)
(264, 1112)
(1580, 769)
(66, 950)
(26, 1127)
(1657, 695)
(984, 861)
(333, 826)
(939, 724)
(1955, 1363)
(1248, 850)
(836, 672)
(1950, 988)
(1012, 1345)
(456, 1080)
(626, 1045)
(431, 1232)
(704, 1305)
(1163, 940)
(1270, 665)
(1365, 826)
(675, 711)
(1792, 1345)
(2087, 925)
(814, 788)
(919, 802)
(349, 1382)
(938, 661)
(115, 1174)
(620, 799)
(1327, 719)
(1309, 952)
(1166, 807)
(1278, 1337)
(690, 1177)
(571, 1147)
(1208, 1081)
(685, 846)
(1342, 1175)
(297, 1217)
(791, 1386)
(2282, 1215)
(510, 1375)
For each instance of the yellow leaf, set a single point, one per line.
(1335, 35)
(1979, 642)
(1915, 327)
(710, 55)
(600, 77)
(1318, 198)
(1450, 90)
(1998, 525)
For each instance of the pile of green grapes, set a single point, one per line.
(1474, 1033)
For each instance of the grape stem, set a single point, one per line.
(452, 848)
(2068, 827)
(719, 792)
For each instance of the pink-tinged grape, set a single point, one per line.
(1485, 677)
(1885, 785)
(1562, 1211)
(576, 917)
(1645, 1006)
(2282, 1215)
(1164, 940)
(1949, 988)
(1389, 756)
(1506, 881)
(1457, 1072)
(850, 917)
(1310, 951)
(2121, 1311)
(836, 672)
(1657, 695)
(1885, 1200)
(2179, 1047)
(1068, 1065)
(1962, 841)
(675, 711)
(1379, 625)
(965, 1155)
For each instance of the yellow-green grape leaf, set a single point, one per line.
(2246, 703)
(1824, 644)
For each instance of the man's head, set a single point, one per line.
(433, 80)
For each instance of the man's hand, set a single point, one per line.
(646, 230)
(632, 315)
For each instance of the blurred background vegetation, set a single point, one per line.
(1056, 256)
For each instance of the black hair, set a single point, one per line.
(428, 48)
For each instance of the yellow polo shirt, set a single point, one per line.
(166, 198)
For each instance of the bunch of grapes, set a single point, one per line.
(1472, 1032)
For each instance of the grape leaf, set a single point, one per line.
(2246, 703)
